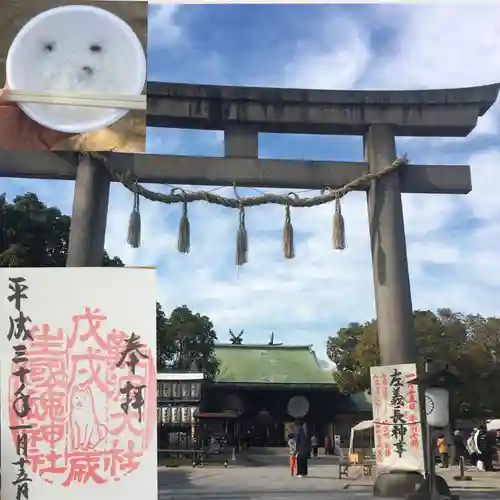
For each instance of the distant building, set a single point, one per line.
(268, 387)
(257, 395)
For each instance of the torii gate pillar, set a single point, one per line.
(90, 213)
(396, 334)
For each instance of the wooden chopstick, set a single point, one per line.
(115, 101)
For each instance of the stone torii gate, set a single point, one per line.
(243, 112)
(378, 116)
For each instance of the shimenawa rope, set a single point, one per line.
(178, 195)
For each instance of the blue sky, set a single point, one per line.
(452, 240)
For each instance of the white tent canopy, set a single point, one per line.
(362, 426)
(493, 425)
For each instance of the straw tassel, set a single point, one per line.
(184, 238)
(134, 225)
(241, 240)
(339, 242)
(288, 247)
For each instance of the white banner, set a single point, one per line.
(78, 383)
(396, 416)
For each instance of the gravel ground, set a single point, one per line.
(274, 482)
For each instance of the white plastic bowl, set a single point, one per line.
(76, 48)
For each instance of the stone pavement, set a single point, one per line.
(274, 483)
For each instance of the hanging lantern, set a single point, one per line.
(233, 403)
(192, 411)
(175, 415)
(195, 390)
(176, 390)
(165, 415)
(437, 406)
(167, 390)
(437, 384)
(298, 406)
(185, 390)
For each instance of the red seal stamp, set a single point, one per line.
(86, 401)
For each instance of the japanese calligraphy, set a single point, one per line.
(136, 401)
(413, 417)
(396, 418)
(19, 329)
(133, 350)
(134, 398)
(78, 383)
(18, 326)
(399, 429)
(88, 389)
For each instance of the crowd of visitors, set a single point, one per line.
(479, 448)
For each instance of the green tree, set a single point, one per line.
(33, 234)
(186, 341)
(353, 350)
(162, 344)
(480, 366)
(469, 345)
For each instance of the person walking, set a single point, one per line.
(481, 443)
(328, 445)
(496, 452)
(292, 447)
(486, 446)
(458, 447)
(472, 448)
(490, 450)
(314, 445)
(303, 449)
(443, 451)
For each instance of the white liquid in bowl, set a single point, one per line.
(76, 49)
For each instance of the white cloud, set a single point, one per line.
(163, 28)
(340, 57)
(445, 46)
(310, 297)
(484, 200)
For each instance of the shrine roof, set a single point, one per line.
(362, 400)
(265, 364)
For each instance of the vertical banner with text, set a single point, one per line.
(78, 374)
(396, 417)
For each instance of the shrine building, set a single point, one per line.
(266, 387)
(255, 398)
